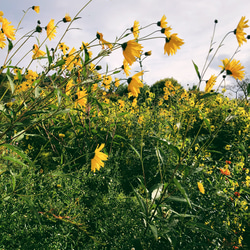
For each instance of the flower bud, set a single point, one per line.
(148, 53)
(38, 29)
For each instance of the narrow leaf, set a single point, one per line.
(182, 190)
(197, 70)
(12, 86)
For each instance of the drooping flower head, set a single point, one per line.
(166, 31)
(239, 31)
(51, 29)
(8, 29)
(97, 161)
(233, 68)
(37, 52)
(172, 44)
(36, 9)
(131, 51)
(134, 84)
(102, 41)
(67, 18)
(135, 29)
(126, 68)
(210, 83)
(163, 23)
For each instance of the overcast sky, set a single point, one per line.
(193, 20)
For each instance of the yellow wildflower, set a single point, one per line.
(210, 83)
(135, 84)
(131, 51)
(97, 161)
(37, 52)
(51, 29)
(233, 68)
(172, 44)
(201, 187)
(239, 31)
(8, 29)
(135, 29)
(36, 9)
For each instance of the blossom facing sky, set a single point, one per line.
(97, 161)
(163, 23)
(51, 29)
(135, 84)
(239, 31)
(172, 44)
(131, 51)
(233, 68)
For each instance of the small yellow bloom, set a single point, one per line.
(131, 51)
(102, 41)
(61, 135)
(163, 23)
(210, 83)
(135, 29)
(172, 44)
(37, 52)
(36, 9)
(117, 82)
(69, 87)
(135, 84)
(126, 67)
(201, 188)
(64, 48)
(2, 40)
(8, 29)
(82, 97)
(239, 31)
(97, 161)
(51, 29)
(233, 68)
(228, 147)
(67, 18)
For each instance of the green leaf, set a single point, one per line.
(14, 160)
(19, 152)
(12, 86)
(201, 226)
(135, 151)
(182, 190)
(48, 55)
(248, 89)
(154, 231)
(141, 202)
(197, 70)
(10, 45)
(58, 64)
